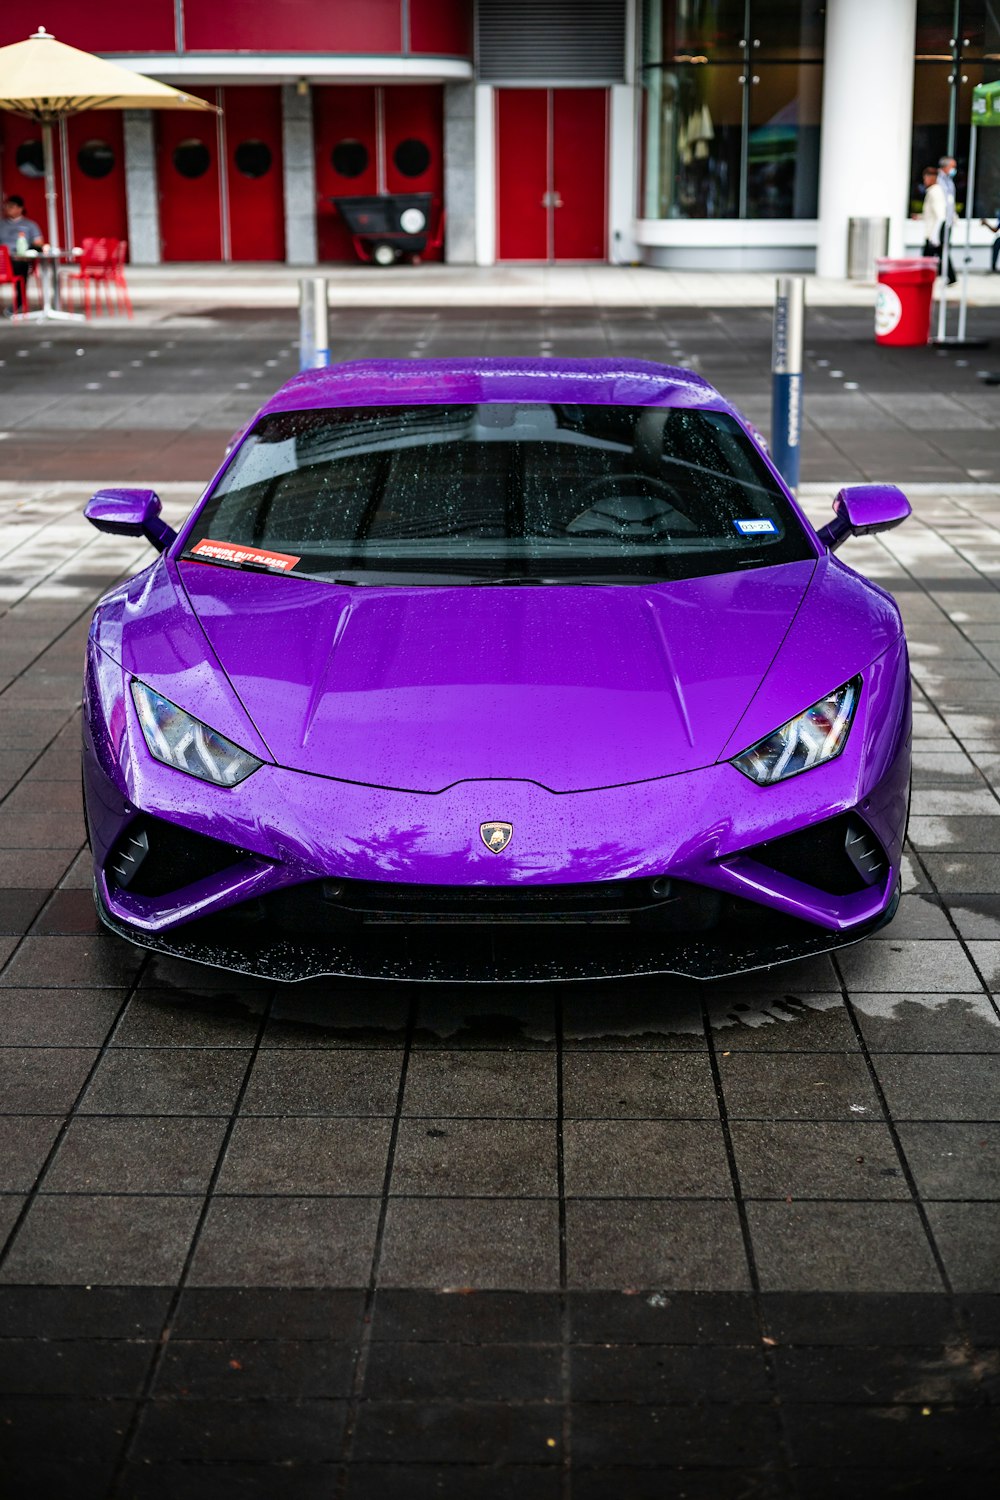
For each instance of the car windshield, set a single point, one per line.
(500, 492)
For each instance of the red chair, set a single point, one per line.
(91, 273)
(116, 275)
(18, 284)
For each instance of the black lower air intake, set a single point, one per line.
(153, 858)
(840, 856)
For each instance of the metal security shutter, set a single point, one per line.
(549, 41)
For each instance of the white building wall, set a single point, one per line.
(867, 123)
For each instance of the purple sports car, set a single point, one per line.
(496, 669)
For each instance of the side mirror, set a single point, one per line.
(130, 513)
(861, 510)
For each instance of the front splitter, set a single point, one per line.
(494, 954)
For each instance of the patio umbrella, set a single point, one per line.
(46, 81)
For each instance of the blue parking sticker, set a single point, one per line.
(755, 528)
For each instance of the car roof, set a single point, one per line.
(441, 382)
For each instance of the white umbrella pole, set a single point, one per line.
(50, 183)
(970, 190)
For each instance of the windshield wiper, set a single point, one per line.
(583, 580)
(240, 567)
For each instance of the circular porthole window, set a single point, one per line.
(30, 159)
(95, 159)
(349, 158)
(412, 158)
(253, 158)
(192, 158)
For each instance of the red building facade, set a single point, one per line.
(321, 99)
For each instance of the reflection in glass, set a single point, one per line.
(30, 159)
(95, 159)
(937, 100)
(412, 158)
(253, 158)
(783, 143)
(349, 158)
(693, 131)
(192, 158)
(683, 30)
(679, 31)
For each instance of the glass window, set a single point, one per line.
(783, 143)
(253, 158)
(503, 492)
(95, 159)
(786, 30)
(699, 133)
(412, 158)
(731, 104)
(349, 158)
(689, 30)
(30, 159)
(192, 158)
(957, 47)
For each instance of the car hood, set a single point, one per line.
(572, 687)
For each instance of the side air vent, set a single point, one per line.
(153, 858)
(840, 856)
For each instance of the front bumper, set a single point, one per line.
(702, 831)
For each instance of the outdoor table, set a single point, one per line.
(49, 259)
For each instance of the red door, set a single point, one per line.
(346, 160)
(374, 140)
(413, 133)
(254, 181)
(552, 153)
(187, 169)
(523, 218)
(96, 198)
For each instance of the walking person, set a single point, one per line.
(933, 215)
(995, 247)
(947, 168)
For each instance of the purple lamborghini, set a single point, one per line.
(496, 670)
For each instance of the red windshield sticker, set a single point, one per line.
(229, 552)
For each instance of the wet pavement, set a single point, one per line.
(643, 1238)
(156, 403)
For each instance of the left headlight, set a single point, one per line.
(178, 740)
(810, 739)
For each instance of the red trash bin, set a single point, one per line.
(903, 300)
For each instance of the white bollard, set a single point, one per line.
(314, 324)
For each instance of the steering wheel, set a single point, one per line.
(598, 518)
(655, 488)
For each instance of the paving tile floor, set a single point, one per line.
(136, 403)
(642, 1238)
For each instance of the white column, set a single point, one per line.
(485, 184)
(622, 248)
(460, 173)
(141, 200)
(867, 120)
(300, 175)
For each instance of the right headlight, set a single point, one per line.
(175, 738)
(810, 739)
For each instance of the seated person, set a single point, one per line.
(19, 233)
